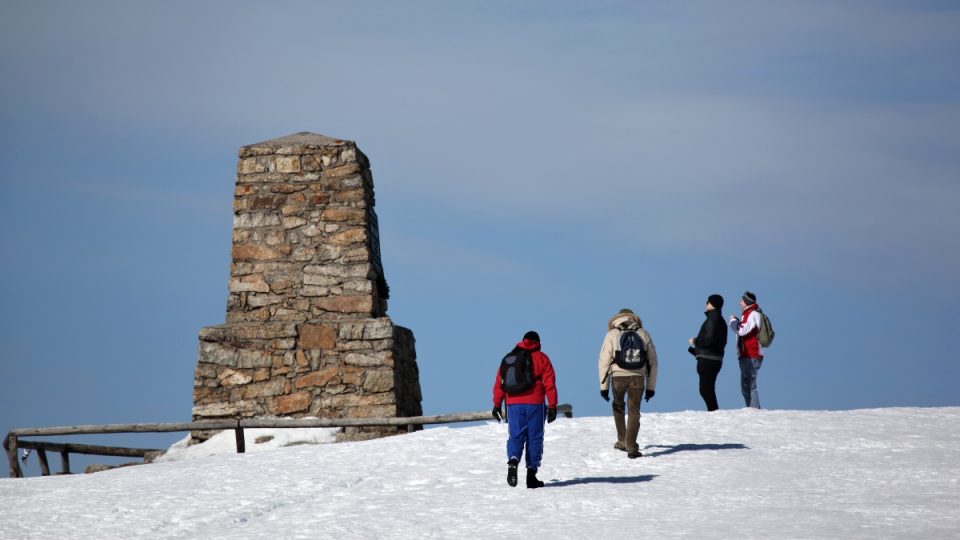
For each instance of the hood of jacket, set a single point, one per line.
(529, 345)
(621, 318)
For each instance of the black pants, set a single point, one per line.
(708, 371)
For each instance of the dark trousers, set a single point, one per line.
(708, 371)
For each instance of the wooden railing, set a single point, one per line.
(13, 441)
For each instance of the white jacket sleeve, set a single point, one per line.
(752, 322)
(607, 351)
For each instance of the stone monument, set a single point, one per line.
(307, 332)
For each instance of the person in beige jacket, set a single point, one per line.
(631, 372)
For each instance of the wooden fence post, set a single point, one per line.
(10, 443)
(44, 465)
(241, 444)
(65, 462)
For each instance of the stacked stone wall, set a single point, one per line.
(306, 330)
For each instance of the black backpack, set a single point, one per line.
(632, 354)
(516, 371)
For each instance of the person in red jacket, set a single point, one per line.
(746, 328)
(526, 412)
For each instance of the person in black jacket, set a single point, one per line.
(708, 348)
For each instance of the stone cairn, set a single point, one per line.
(306, 331)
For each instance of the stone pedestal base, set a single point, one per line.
(363, 368)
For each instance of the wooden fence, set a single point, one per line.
(13, 441)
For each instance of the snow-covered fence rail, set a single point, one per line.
(13, 441)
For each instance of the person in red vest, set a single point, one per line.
(747, 327)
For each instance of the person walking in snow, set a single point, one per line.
(746, 328)
(525, 408)
(628, 363)
(708, 348)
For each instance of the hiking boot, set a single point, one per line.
(634, 454)
(532, 480)
(512, 473)
(619, 446)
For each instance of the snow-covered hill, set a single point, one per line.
(883, 473)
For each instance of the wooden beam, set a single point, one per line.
(76, 448)
(65, 462)
(126, 428)
(353, 422)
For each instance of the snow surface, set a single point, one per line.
(880, 473)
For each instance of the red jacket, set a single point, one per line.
(544, 384)
(748, 346)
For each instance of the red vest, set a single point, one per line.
(748, 346)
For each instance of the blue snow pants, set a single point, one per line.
(526, 429)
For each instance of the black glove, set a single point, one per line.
(496, 414)
(605, 394)
(551, 414)
(692, 351)
(649, 394)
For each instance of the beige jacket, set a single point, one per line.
(611, 343)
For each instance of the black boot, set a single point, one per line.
(512, 473)
(532, 481)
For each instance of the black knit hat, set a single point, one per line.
(715, 300)
(749, 298)
(532, 336)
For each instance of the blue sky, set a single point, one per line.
(537, 167)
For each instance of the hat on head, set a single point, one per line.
(715, 300)
(532, 336)
(625, 310)
(749, 298)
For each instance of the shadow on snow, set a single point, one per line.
(688, 447)
(603, 480)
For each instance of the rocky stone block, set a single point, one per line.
(288, 164)
(216, 353)
(365, 359)
(378, 380)
(252, 358)
(317, 336)
(293, 403)
(345, 304)
(231, 377)
(253, 252)
(273, 387)
(378, 329)
(351, 236)
(250, 283)
(318, 378)
(256, 219)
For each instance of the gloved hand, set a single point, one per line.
(496, 414)
(648, 394)
(605, 394)
(551, 414)
(692, 351)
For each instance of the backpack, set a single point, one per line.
(516, 371)
(765, 335)
(632, 354)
